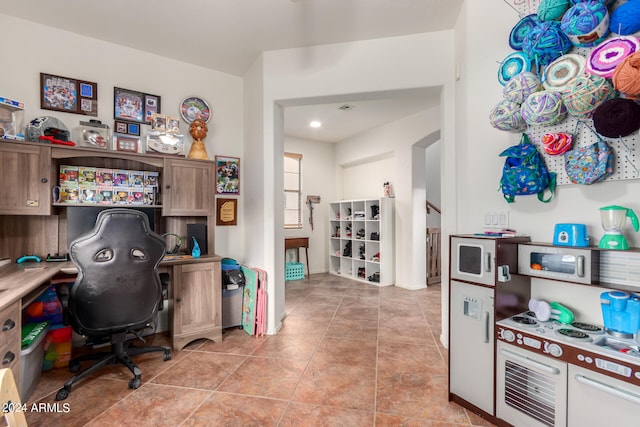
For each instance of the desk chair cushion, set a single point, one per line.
(118, 287)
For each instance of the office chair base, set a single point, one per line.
(119, 354)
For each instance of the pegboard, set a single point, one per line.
(625, 150)
(626, 160)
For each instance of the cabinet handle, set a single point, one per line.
(8, 358)
(178, 299)
(167, 186)
(44, 180)
(8, 325)
(609, 389)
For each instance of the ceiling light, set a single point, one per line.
(315, 124)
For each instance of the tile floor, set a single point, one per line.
(349, 354)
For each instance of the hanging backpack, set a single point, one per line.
(524, 172)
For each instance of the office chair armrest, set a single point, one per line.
(164, 281)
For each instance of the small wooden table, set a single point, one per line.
(297, 243)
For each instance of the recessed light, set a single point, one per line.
(315, 124)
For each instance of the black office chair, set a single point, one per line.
(118, 291)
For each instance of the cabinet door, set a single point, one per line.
(197, 304)
(188, 188)
(26, 171)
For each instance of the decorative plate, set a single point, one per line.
(193, 108)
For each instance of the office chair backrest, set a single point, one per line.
(118, 287)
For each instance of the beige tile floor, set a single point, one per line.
(349, 354)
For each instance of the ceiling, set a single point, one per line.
(229, 35)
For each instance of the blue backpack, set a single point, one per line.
(525, 172)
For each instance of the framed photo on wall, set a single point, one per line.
(226, 211)
(134, 106)
(227, 175)
(68, 95)
(151, 106)
(128, 105)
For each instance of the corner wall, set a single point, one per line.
(310, 73)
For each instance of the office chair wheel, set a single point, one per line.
(167, 356)
(135, 383)
(62, 394)
(74, 366)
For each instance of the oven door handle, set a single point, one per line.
(605, 388)
(527, 361)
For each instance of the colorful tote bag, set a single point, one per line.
(590, 164)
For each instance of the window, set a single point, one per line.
(292, 191)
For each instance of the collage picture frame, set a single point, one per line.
(134, 106)
(68, 95)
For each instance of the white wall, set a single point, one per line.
(29, 49)
(365, 180)
(479, 49)
(318, 179)
(324, 71)
(433, 181)
(396, 140)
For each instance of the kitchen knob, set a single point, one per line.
(508, 335)
(555, 350)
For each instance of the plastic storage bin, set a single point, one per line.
(294, 271)
(31, 356)
(59, 351)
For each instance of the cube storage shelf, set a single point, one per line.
(362, 242)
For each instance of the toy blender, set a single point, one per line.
(613, 219)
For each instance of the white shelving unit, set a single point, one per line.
(362, 243)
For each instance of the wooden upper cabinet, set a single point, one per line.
(25, 179)
(188, 187)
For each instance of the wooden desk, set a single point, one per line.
(195, 288)
(297, 243)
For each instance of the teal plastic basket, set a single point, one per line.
(293, 271)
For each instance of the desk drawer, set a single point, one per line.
(10, 339)
(10, 326)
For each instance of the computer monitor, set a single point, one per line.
(81, 219)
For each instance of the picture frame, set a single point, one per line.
(227, 175)
(68, 95)
(134, 106)
(128, 105)
(126, 143)
(226, 211)
(126, 128)
(151, 106)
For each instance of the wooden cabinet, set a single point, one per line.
(10, 339)
(187, 188)
(25, 179)
(362, 242)
(197, 303)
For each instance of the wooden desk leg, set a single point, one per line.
(306, 260)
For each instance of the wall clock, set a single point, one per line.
(192, 108)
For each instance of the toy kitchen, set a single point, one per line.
(546, 362)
